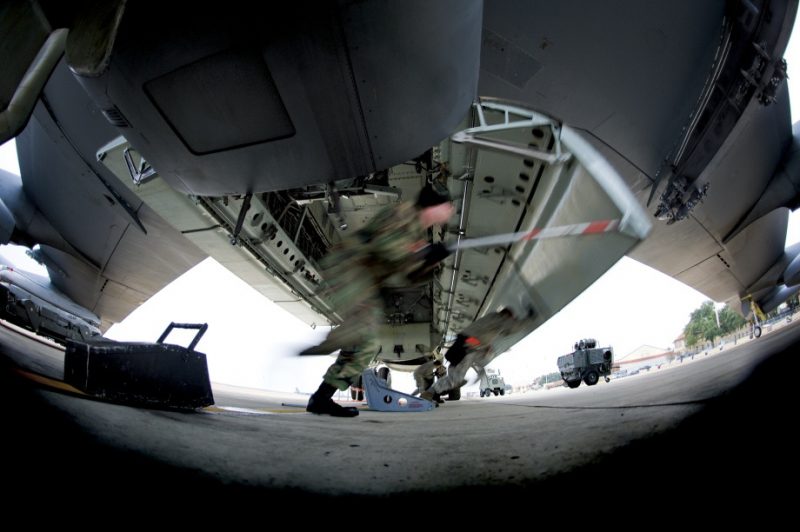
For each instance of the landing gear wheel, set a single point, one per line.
(386, 375)
(591, 378)
(357, 390)
(455, 394)
(757, 331)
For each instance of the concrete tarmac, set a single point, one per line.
(713, 433)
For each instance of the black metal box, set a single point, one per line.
(146, 374)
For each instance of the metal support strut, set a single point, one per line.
(513, 118)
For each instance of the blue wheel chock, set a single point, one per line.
(384, 399)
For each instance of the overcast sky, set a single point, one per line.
(251, 341)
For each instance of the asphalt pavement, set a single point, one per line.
(710, 435)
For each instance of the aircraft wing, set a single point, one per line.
(103, 247)
(262, 141)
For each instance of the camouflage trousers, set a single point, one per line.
(456, 372)
(423, 375)
(357, 337)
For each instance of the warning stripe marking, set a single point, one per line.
(48, 382)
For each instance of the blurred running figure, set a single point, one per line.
(473, 349)
(426, 374)
(394, 241)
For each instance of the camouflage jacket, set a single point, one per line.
(364, 260)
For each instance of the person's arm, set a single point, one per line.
(426, 260)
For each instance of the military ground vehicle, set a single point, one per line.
(586, 363)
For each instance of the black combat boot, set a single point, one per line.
(321, 402)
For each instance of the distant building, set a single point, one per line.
(680, 343)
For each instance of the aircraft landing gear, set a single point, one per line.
(357, 390)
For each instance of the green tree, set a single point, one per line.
(702, 325)
(730, 320)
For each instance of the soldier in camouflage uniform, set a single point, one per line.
(426, 373)
(394, 241)
(473, 348)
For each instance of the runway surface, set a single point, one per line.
(713, 429)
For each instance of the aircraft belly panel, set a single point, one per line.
(425, 82)
(476, 275)
(210, 231)
(502, 186)
(559, 269)
(355, 87)
(133, 259)
(634, 90)
(404, 342)
(116, 301)
(711, 278)
(760, 245)
(658, 251)
(564, 185)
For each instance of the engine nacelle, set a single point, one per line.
(791, 275)
(20, 221)
(7, 223)
(778, 296)
(35, 304)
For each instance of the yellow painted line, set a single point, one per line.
(48, 382)
(213, 409)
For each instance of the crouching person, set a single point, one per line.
(473, 349)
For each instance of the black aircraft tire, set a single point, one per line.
(386, 375)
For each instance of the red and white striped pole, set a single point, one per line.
(586, 228)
